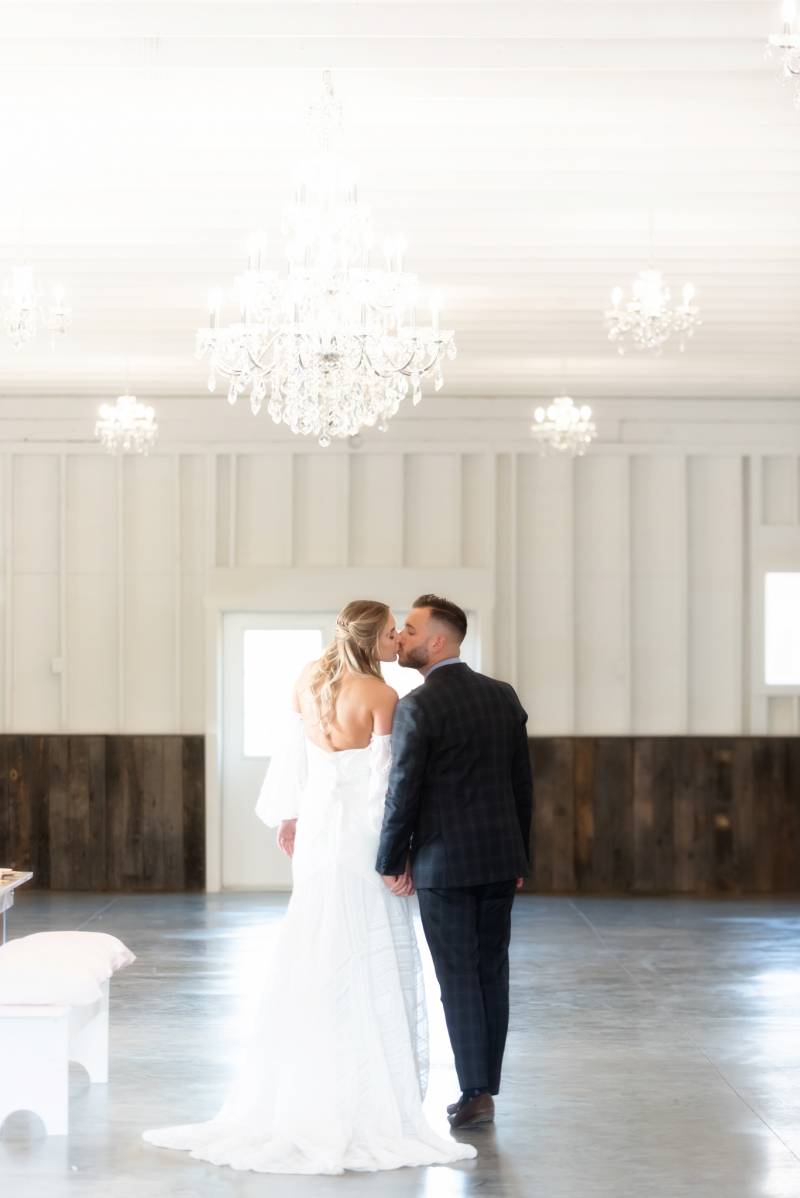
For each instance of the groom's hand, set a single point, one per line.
(399, 884)
(286, 834)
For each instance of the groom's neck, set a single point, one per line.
(426, 669)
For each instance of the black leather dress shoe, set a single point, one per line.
(473, 1112)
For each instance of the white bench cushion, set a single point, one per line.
(61, 968)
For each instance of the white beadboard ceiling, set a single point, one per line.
(520, 147)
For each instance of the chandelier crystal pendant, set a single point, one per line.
(785, 47)
(648, 319)
(126, 426)
(563, 427)
(22, 310)
(332, 345)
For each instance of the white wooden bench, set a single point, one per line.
(38, 1037)
(36, 1045)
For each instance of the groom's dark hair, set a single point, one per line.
(445, 612)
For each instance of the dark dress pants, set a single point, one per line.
(468, 929)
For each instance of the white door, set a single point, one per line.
(262, 657)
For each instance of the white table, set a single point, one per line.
(7, 887)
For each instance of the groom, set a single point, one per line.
(459, 807)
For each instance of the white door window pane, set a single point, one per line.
(273, 658)
(782, 629)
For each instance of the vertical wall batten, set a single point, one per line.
(513, 532)
(120, 593)
(232, 509)
(177, 588)
(8, 663)
(63, 649)
(210, 510)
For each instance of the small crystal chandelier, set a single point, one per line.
(785, 46)
(563, 427)
(648, 319)
(21, 309)
(332, 344)
(126, 426)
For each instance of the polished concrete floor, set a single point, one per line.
(654, 1053)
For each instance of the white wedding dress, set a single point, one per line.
(335, 1071)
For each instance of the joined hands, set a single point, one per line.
(400, 884)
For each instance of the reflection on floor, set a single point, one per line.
(654, 1051)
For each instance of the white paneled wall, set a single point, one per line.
(626, 584)
(601, 582)
(544, 573)
(659, 571)
(93, 620)
(716, 591)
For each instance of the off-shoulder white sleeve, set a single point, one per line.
(380, 763)
(285, 782)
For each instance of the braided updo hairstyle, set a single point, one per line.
(354, 648)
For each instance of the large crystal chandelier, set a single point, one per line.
(785, 46)
(563, 427)
(332, 344)
(648, 319)
(22, 309)
(126, 426)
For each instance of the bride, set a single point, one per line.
(334, 1073)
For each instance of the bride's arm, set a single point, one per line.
(287, 828)
(279, 799)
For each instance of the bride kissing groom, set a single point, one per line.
(435, 789)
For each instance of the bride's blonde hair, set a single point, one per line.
(354, 648)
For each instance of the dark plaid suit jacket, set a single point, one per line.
(460, 790)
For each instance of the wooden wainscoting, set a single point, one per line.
(661, 815)
(612, 815)
(104, 812)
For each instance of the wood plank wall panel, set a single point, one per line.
(612, 815)
(716, 594)
(149, 547)
(376, 509)
(320, 510)
(505, 649)
(432, 510)
(104, 812)
(194, 811)
(601, 596)
(554, 830)
(779, 490)
(658, 595)
(666, 815)
(544, 556)
(263, 518)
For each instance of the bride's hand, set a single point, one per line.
(286, 834)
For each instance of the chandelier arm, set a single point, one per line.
(258, 364)
(406, 367)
